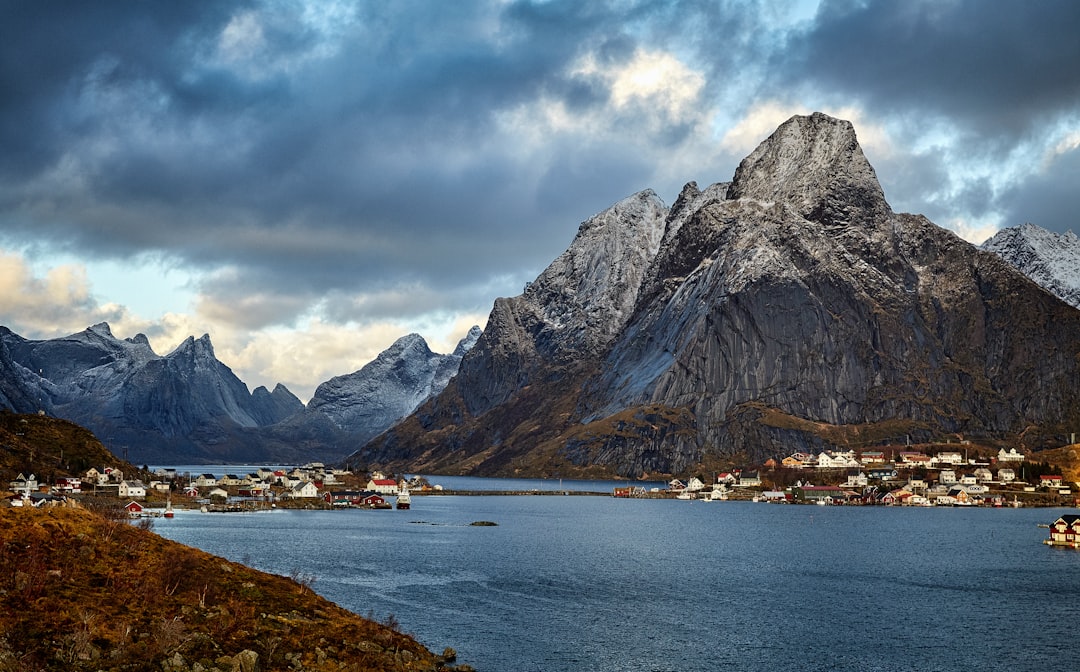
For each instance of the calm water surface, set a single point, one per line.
(594, 583)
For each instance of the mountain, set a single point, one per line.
(1051, 260)
(789, 309)
(184, 405)
(189, 407)
(386, 389)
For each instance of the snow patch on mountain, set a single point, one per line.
(389, 387)
(1051, 260)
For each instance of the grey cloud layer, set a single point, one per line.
(366, 152)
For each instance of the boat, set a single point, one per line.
(168, 508)
(404, 500)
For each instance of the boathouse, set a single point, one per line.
(1065, 531)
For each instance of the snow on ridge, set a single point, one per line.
(1051, 260)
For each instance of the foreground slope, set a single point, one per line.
(83, 591)
(789, 309)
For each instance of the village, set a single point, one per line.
(310, 486)
(875, 477)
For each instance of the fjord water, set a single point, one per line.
(579, 583)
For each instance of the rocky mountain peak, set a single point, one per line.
(467, 343)
(101, 329)
(1050, 259)
(815, 165)
(590, 290)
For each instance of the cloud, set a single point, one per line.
(354, 164)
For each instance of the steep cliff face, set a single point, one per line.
(571, 312)
(789, 308)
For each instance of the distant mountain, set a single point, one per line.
(388, 388)
(1051, 260)
(188, 407)
(789, 309)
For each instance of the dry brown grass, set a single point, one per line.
(85, 591)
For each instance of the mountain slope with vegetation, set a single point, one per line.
(86, 591)
(83, 588)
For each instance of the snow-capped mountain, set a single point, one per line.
(187, 406)
(386, 389)
(143, 405)
(789, 309)
(1051, 260)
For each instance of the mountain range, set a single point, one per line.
(188, 407)
(789, 309)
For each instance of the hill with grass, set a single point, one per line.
(83, 587)
(86, 591)
(50, 448)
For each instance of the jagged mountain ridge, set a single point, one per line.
(1049, 259)
(389, 387)
(788, 309)
(188, 407)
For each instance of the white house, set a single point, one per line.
(947, 476)
(983, 475)
(694, 484)
(858, 480)
(1010, 456)
(303, 490)
(749, 479)
(132, 490)
(1006, 475)
(206, 480)
(383, 486)
(950, 457)
(24, 485)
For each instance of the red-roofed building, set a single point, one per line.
(383, 486)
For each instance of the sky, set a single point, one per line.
(308, 180)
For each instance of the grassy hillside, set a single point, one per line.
(86, 591)
(50, 447)
(89, 590)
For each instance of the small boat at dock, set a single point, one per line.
(404, 500)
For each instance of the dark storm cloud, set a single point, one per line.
(1001, 68)
(1047, 198)
(990, 76)
(378, 150)
(322, 172)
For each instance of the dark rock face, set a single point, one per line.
(786, 308)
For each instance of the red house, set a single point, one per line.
(1065, 531)
(1050, 480)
